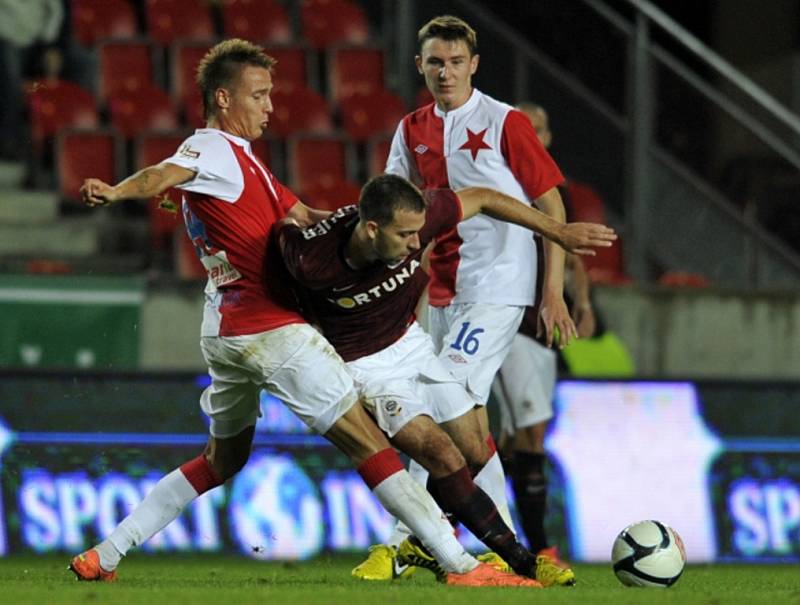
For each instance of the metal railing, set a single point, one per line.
(647, 173)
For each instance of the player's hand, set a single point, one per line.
(95, 192)
(554, 315)
(585, 322)
(582, 238)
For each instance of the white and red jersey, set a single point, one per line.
(483, 143)
(229, 208)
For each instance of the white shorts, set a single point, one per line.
(406, 380)
(472, 340)
(294, 363)
(525, 385)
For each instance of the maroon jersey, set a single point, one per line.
(361, 311)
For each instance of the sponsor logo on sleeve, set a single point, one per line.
(186, 151)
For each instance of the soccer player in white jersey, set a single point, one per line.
(250, 337)
(483, 272)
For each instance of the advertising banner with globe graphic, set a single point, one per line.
(719, 462)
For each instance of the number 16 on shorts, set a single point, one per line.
(467, 339)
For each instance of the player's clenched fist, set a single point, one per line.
(580, 238)
(95, 192)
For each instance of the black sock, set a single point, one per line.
(530, 489)
(457, 493)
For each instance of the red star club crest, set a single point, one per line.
(475, 142)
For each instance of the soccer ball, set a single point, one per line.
(648, 553)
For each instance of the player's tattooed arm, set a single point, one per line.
(146, 183)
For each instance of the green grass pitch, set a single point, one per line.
(232, 580)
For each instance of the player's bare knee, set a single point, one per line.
(443, 454)
(476, 454)
(228, 456)
(530, 438)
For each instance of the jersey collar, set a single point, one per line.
(232, 138)
(473, 100)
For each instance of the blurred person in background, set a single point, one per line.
(525, 384)
(24, 24)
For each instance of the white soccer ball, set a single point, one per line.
(648, 553)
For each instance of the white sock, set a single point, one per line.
(411, 503)
(159, 508)
(401, 531)
(492, 480)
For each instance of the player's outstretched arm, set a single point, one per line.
(579, 238)
(146, 183)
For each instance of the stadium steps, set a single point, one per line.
(68, 237)
(23, 208)
(12, 174)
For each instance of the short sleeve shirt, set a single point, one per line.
(361, 311)
(229, 208)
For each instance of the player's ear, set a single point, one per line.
(418, 61)
(372, 229)
(223, 98)
(473, 64)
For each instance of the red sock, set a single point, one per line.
(200, 474)
(379, 466)
(492, 446)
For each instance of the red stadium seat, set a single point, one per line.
(86, 153)
(293, 65)
(354, 71)
(53, 105)
(606, 267)
(365, 115)
(153, 148)
(124, 67)
(193, 111)
(683, 279)
(148, 108)
(318, 161)
(331, 197)
(328, 22)
(170, 21)
(262, 149)
(260, 21)
(424, 97)
(94, 20)
(296, 108)
(184, 59)
(585, 203)
(377, 153)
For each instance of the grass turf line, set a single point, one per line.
(232, 580)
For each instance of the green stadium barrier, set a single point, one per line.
(70, 322)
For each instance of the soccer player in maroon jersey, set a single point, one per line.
(359, 278)
(250, 339)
